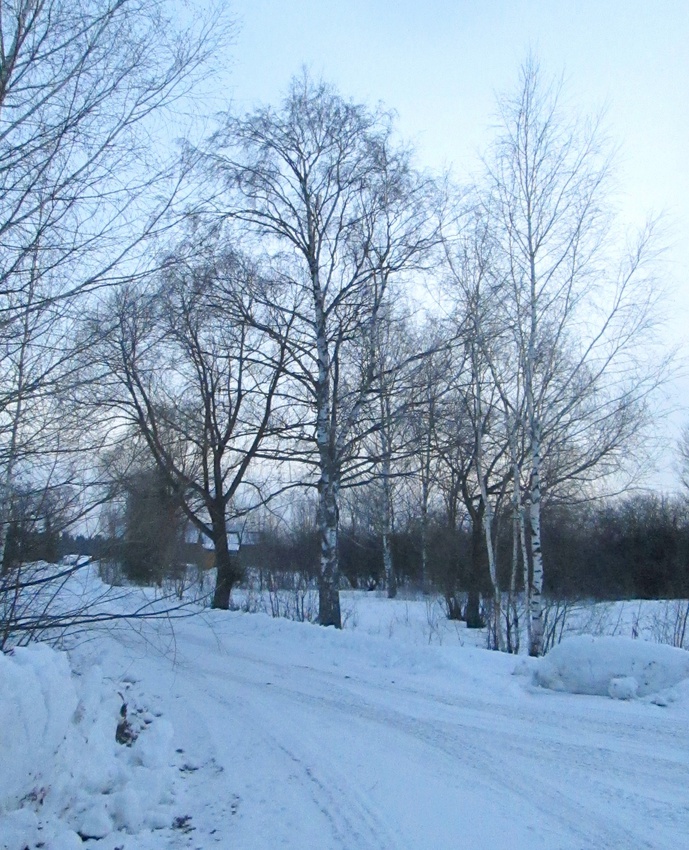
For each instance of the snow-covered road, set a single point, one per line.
(299, 737)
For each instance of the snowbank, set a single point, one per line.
(68, 775)
(37, 702)
(618, 667)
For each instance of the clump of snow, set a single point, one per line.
(69, 776)
(623, 687)
(622, 668)
(526, 666)
(37, 702)
(96, 822)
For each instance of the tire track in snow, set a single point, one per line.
(477, 746)
(379, 834)
(354, 823)
(550, 769)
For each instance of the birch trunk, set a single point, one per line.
(6, 493)
(536, 601)
(488, 525)
(526, 572)
(328, 485)
(328, 590)
(518, 542)
(388, 517)
(389, 566)
(388, 562)
(472, 612)
(8, 479)
(512, 632)
(425, 497)
(499, 642)
(427, 429)
(424, 536)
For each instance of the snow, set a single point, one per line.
(397, 732)
(421, 621)
(37, 700)
(616, 666)
(69, 776)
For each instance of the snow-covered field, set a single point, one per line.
(251, 732)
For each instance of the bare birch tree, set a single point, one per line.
(578, 327)
(321, 180)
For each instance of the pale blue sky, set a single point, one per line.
(439, 64)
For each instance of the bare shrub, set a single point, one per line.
(287, 594)
(668, 623)
(435, 617)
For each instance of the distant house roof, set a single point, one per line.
(233, 542)
(234, 538)
(250, 538)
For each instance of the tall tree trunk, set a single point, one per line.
(7, 484)
(225, 578)
(389, 567)
(388, 518)
(526, 572)
(425, 584)
(424, 547)
(328, 485)
(518, 544)
(228, 573)
(536, 602)
(425, 496)
(497, 642)
(472, 613)
(388, 562)
(328, 591)
(512, 631)
(7, 490)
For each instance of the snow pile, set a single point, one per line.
(70, 779)
(37, 702)
(618, 667)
